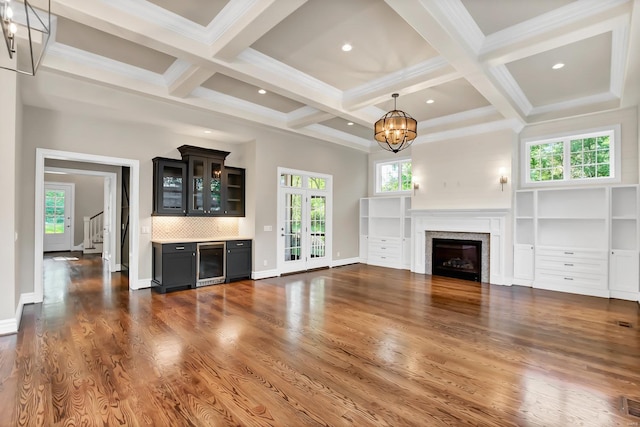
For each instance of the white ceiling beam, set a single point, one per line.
(439, 27)
(188, 80)
(412, 79)
(255, 22)
(306, 116)
(577, 21)
(631, 85)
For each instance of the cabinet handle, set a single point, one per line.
(568, 253)
(383, 248)
(382, 240)
(179, 248)
(569, 265)
(239, 244)
(383, 257)
(568, 278)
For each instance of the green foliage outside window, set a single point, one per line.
(571, 158)
(394, 176)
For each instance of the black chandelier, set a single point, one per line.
(396, 130)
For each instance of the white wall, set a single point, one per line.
(463, 173)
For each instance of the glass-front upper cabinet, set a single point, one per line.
(205, 169)
(215, 187)
(169, 176)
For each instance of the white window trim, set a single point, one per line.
(614, 152)
(376, 172)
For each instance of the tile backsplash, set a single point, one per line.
(185, 227)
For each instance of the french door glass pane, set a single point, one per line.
(318, 223)
(292, 227)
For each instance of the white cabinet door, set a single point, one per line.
(523, 264)
(624, 271)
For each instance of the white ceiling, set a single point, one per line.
(485, 63)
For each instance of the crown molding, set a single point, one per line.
(169, 21)
(175, 71)
(227, 102)
(547, 22)
(330, 134)
(457, 117)
(91, 60)
(227, 18)
(619, 55)
(505, 124)
(503, 77)
(574, 103)
(419, 71)
(268, 64)
(464, 25)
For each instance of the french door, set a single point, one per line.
(304, 221)
(58, 216)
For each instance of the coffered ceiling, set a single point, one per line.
(484, 64)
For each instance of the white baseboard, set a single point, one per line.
(345, 261)
(629, 296)
(118, 267)
(140, 284)
(11, 326)
(8, 326)
(257, 275)
(77, 247)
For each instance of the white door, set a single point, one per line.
(58, 216)
(304, 221)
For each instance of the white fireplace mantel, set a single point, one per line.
(490, 221)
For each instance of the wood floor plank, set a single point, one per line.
(350, 346)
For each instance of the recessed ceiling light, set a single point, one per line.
(346, 47)
(349, 123)
(262, 91)
(430, 101)
(207, 131)
(558, 66)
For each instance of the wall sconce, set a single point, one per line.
(416, 187)
(503, 178)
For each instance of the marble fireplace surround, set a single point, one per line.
(491, 222)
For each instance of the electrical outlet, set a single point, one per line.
(338, 254)
(265, 262)
(268, 228)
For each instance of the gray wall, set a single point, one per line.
(84, 134)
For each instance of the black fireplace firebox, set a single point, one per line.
(457, 258)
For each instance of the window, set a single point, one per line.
(393, 176)
(589, 156)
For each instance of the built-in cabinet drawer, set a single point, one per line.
(575, 265)
(571, 269)
(385, 252)
(571, 279)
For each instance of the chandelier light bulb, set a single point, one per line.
(8, 13)
(13, 28)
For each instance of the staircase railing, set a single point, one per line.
(93, 228)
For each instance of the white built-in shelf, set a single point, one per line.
(580, 240)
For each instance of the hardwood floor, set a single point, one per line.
(356, 345)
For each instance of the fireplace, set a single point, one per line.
(457, 258)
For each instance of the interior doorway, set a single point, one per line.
(134, 170)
